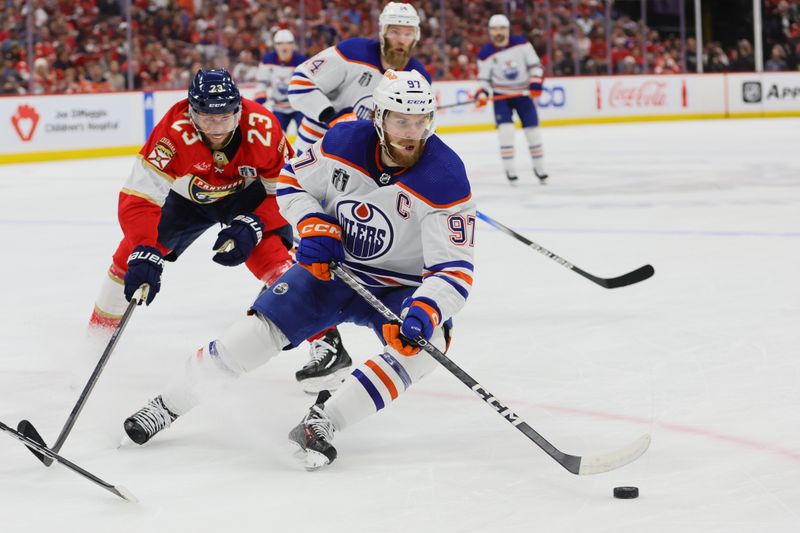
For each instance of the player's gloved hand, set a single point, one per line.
(145, 265)
(420, 316)
(481, 98)
(261, 99)
(535, 87)
(235, 243)
(320, 243)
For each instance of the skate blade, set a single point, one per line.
(315, 461)
(330, 382)
(310, 459)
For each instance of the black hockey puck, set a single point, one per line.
(626, 493)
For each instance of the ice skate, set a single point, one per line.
(329, 364)
(149, 420)
(512, 178)
(311, 438)
(542, 176)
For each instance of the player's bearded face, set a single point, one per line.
(216, 129)
(405, 136)
(397, 44)
(499, 36)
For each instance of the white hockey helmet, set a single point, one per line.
(499, 21)
(398, 14)
(406, 92)
(283, 36)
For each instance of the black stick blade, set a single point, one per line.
(640, 274)
(27, 429)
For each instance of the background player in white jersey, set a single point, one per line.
(273, 77)
(508, 65)
(390, 202)
(337, 83)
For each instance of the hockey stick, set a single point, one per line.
(635, 276)
(493, 99)
(579, 465)
(119, 490)
(27, 428)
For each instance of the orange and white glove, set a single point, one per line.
(420, 317)
(481, 98)
(320, 243)
(535, 87)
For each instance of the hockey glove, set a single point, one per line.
(420, 317)
(235, 243)
(320, 243)
(535, 87)
(145, 265)
(481, 98)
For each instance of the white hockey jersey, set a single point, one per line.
(342, 77)
(413, 226)
(511, 69)
(273, 81)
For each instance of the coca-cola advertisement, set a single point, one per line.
(644, 95)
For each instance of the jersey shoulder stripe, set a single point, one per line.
(362, 51)
(516, 40)
(486, 50)
(439, 178)
(346, 142)
(489, 49)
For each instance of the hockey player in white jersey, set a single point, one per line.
(391, 203)
(273, 77)
(337, 83)
(508, 65)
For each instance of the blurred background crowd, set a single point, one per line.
(72, 46)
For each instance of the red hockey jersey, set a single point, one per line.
(175, 158)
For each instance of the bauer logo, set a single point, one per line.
(751, 92)
(368, 232)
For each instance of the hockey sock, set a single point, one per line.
(535, 145)
(247, 344)
(375, 384)
(505, 133)
(110, 304)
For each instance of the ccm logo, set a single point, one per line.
(321, 229)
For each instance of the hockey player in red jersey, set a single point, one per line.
(213, 158)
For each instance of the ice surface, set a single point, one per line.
(704, 356)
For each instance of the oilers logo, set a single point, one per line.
(366, 230)
(510, 70)
(363, 108)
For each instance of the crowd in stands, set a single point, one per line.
(81, 45)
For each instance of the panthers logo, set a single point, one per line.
(204, 193)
